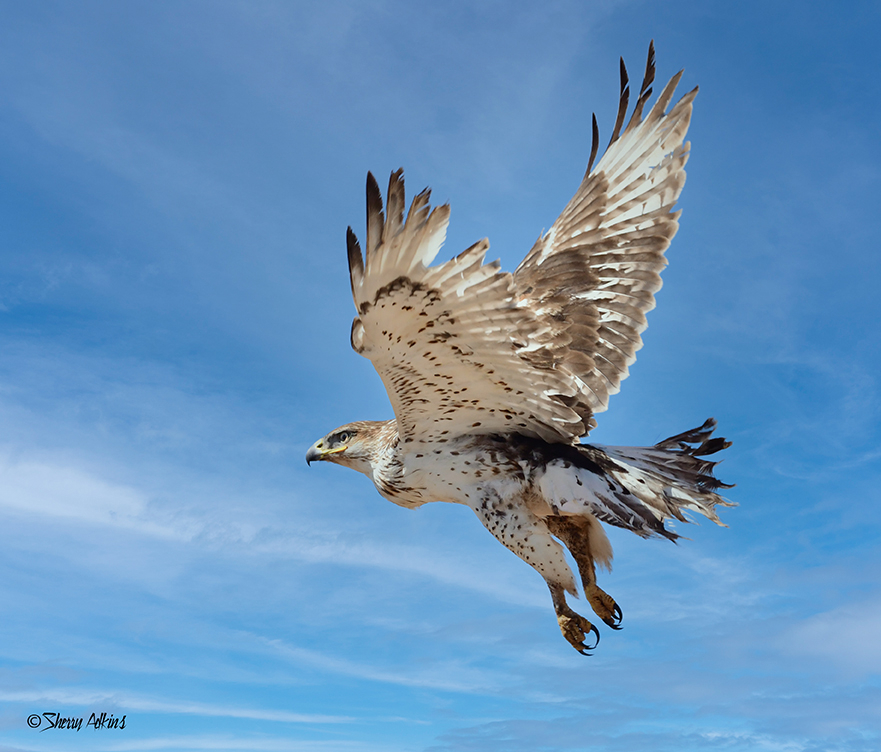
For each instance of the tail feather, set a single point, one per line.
(671, 477)
(700, 436)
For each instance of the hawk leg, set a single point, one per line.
(575, 627)
(575, 533)
(532, 540)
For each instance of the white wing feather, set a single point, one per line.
(465, 348)
(597, 269)
(450, 343)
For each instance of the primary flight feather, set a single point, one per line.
(494, 377)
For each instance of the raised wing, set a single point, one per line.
(593, 276)
(455, 349)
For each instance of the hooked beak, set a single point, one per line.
(318, 452)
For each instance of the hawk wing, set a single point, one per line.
(452, 344)
(465, 348)
(596, 271)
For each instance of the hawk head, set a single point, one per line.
(355, 445)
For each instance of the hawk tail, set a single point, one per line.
(672, 476)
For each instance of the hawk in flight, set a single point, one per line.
(494, 377)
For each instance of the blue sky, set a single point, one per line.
(174, 315)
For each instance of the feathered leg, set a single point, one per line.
(529, 537)
(575, 533)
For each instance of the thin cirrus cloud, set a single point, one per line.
(175, 312)
(81, 697)
(44, 490)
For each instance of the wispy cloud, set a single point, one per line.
(80, 696)
(44, 489)
(177, 181)
(449, 676)
(41, 488)
(247, 743)
(845, 637)
(244, 743)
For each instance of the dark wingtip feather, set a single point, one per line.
(373, 192)
(356, 261)
(645, 91)
(396, 182)
(594, 145)
(649, 76)
(623, 102)
(394, 204)
(375, 219)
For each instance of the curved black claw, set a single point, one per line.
(597, 634)
(614, 621)
(585, 649)
(576, 629)
(604, 606)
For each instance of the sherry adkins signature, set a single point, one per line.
(57, 721)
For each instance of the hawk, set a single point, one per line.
(494, 377)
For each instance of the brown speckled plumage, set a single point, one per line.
(495, 377)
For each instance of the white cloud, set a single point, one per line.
(40, 488)
(183, 742)
(43, 489)
(247, 744)
(450, 676)
(78, 696)
(846, 637)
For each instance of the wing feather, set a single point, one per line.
(463, 347)
(596, 271)
(456, 352)
(623, 101)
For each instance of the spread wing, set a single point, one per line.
(465, 348)
(456, 350)
(594, 275)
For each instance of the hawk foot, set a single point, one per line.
(576, 629)
(604, 606)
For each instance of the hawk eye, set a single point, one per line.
(344, 436)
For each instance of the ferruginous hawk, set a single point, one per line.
(494, 377)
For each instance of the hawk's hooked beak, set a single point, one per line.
(318, 452)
